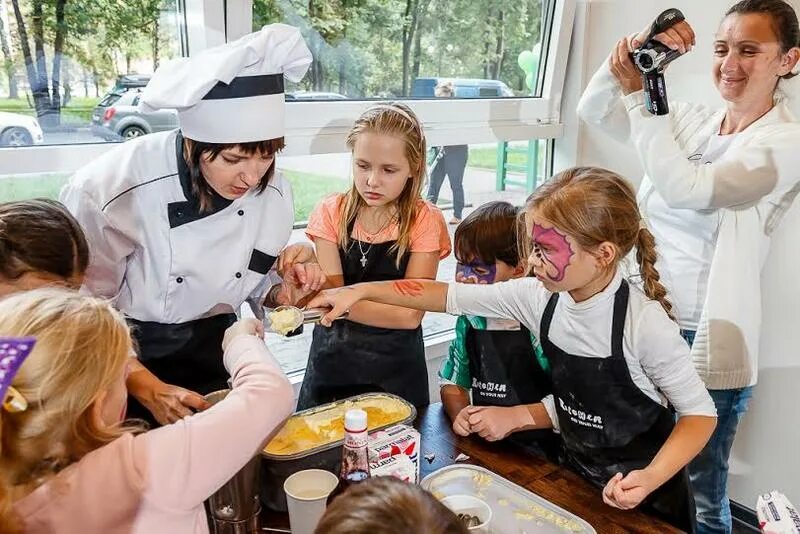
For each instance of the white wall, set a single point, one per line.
(765, 453)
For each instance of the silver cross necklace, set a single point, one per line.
(363, 260)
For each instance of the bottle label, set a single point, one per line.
(355, 440)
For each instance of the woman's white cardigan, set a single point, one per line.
(752, 184)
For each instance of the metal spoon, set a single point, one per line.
(301, 317)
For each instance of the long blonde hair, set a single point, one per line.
(82, 346)
(389, 118)
(594, 205)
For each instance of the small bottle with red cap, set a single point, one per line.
(355, 457)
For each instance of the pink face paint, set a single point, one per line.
(552, 251)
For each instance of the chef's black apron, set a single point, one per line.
(350, 358)
(608, 424)
(505, 372)
(188, 355)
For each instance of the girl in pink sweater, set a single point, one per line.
(68, 464)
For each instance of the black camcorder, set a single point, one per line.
(652, 57)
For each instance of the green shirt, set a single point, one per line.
(455, 368)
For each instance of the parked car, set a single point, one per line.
(465, 88)
(19, 130)
(128, 81)
(306, 96)
(117, 117)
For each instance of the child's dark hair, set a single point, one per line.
(40, 235)
(784, 21)
(386, 505)
(489, 234)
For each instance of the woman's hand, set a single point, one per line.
(166, 402)
(340, 300)
(302, 275)
(243, 327)
(623, 69)
(679, 37)
(629, 491)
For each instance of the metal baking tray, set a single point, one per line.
(276, 468)
(515, 510)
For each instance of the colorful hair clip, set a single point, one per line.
(13, 351)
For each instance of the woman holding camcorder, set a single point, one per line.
(716, 185)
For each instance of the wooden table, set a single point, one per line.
(556, 484)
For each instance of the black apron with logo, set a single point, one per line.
(608, 424)
(505, 372)
(188, 355)
(351, 358)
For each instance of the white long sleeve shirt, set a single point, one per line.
(751, 185)
(656, 354)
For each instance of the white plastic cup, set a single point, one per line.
(467, 504)
(306, 495)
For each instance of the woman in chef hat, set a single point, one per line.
(185, 226)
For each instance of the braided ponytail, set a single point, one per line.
(646, 257)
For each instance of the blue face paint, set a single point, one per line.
(476, 272)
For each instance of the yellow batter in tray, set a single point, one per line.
(314, 428)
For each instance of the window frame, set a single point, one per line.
(321, 127)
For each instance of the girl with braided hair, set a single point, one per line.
(617, 359)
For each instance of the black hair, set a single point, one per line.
(784, 21)
(40, 235)
(489, 234)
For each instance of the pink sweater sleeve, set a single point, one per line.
(185, 462)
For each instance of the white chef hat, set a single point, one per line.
(232, 93)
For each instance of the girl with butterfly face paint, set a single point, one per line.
(616, 358)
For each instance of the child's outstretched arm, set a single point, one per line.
(520, 299)
(425, 295)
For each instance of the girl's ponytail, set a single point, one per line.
(646, 257)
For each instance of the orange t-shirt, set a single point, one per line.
(428, 233)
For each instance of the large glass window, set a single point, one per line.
(72, 70)
(505, 90)
(404, 48)
(314, 177)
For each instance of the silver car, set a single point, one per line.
(117, 117)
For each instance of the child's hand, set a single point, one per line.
(461, 422)
(494, 423)
(628, 491)
(243, 327)
(340, 300)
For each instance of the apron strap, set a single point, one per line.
(547, 317)
(618, 321)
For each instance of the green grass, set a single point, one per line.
(78, 108)
(486, 158)
(308, 189)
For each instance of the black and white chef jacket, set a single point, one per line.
(151, 249)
